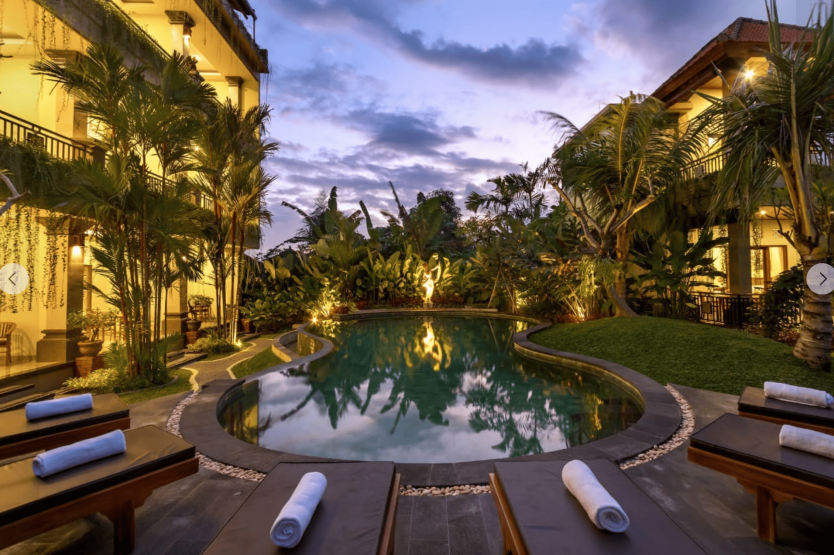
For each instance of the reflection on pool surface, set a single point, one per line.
(441, 389)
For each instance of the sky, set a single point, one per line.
(432, 94)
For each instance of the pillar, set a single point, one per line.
(235, 84)
(181, 24)
(60, 343)
(176, 312)
(738, 251)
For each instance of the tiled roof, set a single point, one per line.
(742, 30)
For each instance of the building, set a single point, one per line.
(757, 253)
(219, 37)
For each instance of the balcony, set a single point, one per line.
(64, 148)
(714, 163)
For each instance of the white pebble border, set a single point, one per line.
(680, 436)
(686, 428)
(174, 427)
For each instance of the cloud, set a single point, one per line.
(535, 62)
(320, 88)
(637, 27)
(404, 132)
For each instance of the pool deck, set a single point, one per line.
(182, 518)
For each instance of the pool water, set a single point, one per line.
(427, 390)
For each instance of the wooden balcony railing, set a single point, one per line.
(713, 163)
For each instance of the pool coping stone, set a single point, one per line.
(660, 420)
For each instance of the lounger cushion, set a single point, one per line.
(14, 427)
(348, 521)
(148, 449)
(548, 515)
(756, 442)
(753, 400)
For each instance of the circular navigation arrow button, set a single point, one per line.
(820, 279)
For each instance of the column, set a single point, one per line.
(738, 251)
(235, 84)
(181, 24)
(60, 343)
(176, 312)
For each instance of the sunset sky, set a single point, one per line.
(436, 94)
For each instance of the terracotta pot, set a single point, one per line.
(247, 325)
(90, 348)
(193, 325)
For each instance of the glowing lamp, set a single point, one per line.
(749, 74)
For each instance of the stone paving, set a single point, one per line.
(182, 518)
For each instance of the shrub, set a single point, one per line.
(114, 378)
(213, 345)
(781, 305)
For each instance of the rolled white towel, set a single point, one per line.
(294, 518)
(54, 407)
(76, 454)
(602, 509)
(796, 394)
(806, 440)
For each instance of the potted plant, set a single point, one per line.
(92, 322)
(196, 302)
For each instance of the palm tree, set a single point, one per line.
(515, 195)
(778, 124)
(144, 224)
(621, 164)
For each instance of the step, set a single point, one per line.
(174, 355)
(12, 389)
(20, 403)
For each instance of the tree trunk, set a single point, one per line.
(620, 305)
(814, 343)
(622, 249)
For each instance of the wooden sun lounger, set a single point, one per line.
(749, 451)
(355, 516)
(754, 404)
(539, 516)
(114, 487)
(18, 436)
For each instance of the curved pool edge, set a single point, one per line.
(660, 420)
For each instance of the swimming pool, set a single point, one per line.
(426, 390)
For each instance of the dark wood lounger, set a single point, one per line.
(754, 404)
(355, 516)
(539, 516)
(749, 451)
(18, 436)
(114, 487)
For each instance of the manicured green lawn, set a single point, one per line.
(679, 352)
(182, 384)
(261, 361)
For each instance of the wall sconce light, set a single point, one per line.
(749, 74)
(711, 140)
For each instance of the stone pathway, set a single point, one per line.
(220, 369)
(182, 518)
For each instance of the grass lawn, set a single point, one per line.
(218, 356)
(685, 353)
(182, 384)
(261, 361)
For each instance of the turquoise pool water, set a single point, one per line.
(440, 389)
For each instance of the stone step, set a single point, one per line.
(20, 403)
(12, 389)
(174, 355)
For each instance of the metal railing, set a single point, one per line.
(64, 148)
(732, 311)
(22, 131)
